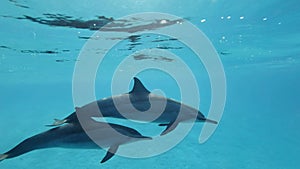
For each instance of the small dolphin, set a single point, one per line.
(140, 98)
(72, 135)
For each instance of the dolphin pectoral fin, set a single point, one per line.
(171, 126)
(110, 153)
(57, 122)
(3, 156)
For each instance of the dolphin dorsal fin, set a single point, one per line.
(138, 87)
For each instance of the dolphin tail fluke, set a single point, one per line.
(3, 156)
(110, 153)
(57, 122)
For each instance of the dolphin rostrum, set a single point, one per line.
(139, 104)
(72, 135)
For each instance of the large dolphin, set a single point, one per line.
(139, 104)
(72, 135)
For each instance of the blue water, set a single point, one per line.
(258, 44)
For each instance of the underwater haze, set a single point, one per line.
(258, 43)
